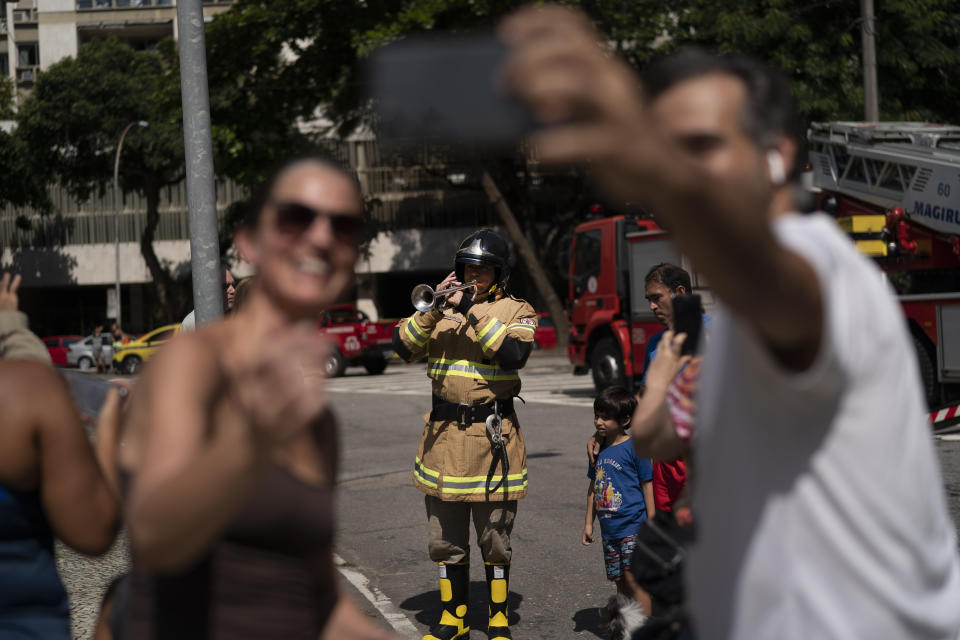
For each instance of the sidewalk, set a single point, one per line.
(372, 601)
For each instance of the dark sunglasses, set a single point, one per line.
(294, 218)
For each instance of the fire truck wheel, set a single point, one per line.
(928, 374)
(375, 366)
(335, 364)
(606, 365)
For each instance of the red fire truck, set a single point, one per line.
(360, 340)
(894, 187)
(610, 319)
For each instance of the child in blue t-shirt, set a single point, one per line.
(621, 487)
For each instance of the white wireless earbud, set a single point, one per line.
(778, 173)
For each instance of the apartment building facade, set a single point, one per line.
(35, 34)
(419, 210)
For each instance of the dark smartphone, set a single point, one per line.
(444, 89)
(688, 319)
(89, 393)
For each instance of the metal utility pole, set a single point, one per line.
(198, 147)
(116, 213)
(867, 32)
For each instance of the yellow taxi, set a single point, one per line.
(127, 358)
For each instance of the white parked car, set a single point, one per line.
(80, 354)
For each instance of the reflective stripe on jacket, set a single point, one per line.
(454, 461)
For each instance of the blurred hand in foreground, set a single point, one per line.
(590, 100)
(8, 292)
(280, 390)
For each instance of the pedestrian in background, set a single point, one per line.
(807, 425)
(620, 493)
(244, 287)
(189, 322)
(233, 452)
(119, 337)
(96, 346)
(662, 283)
(53, 484)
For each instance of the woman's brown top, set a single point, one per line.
(269, 575)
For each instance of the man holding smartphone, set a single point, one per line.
(663, 283)
(819, 503)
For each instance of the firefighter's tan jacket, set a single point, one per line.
(453, 461)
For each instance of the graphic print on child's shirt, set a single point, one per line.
(605, 495)
(617, 494)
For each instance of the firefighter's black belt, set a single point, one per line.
(469, 413)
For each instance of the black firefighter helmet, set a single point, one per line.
(484, 247)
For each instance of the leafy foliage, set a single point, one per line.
(20, 184)
(818, 45)
(72, 121)
(8, 94)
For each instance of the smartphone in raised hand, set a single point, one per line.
(444, 89)
(688, 319)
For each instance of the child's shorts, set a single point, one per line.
(616, 556)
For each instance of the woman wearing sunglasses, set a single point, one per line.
(233, 448)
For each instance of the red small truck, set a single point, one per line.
(360, 340)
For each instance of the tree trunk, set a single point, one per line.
(162, 280)
(537, 273)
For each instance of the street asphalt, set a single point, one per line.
(556, 583)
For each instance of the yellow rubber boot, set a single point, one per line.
(454, 594)
(498, 581)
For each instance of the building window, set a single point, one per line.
(121, 4)
(4, 64)
(27, 54)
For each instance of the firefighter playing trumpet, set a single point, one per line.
(471, 459)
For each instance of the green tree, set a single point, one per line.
(71, 125)
(8, 97)
(817, 44)
(21, 183)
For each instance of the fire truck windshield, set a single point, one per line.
(586, 259)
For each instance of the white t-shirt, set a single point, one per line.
(819, 503)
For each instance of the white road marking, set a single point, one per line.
(400, 623)
(953, 437)
(544, 386)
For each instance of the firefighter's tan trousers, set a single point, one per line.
(450, 529)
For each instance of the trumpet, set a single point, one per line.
(424, 298)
